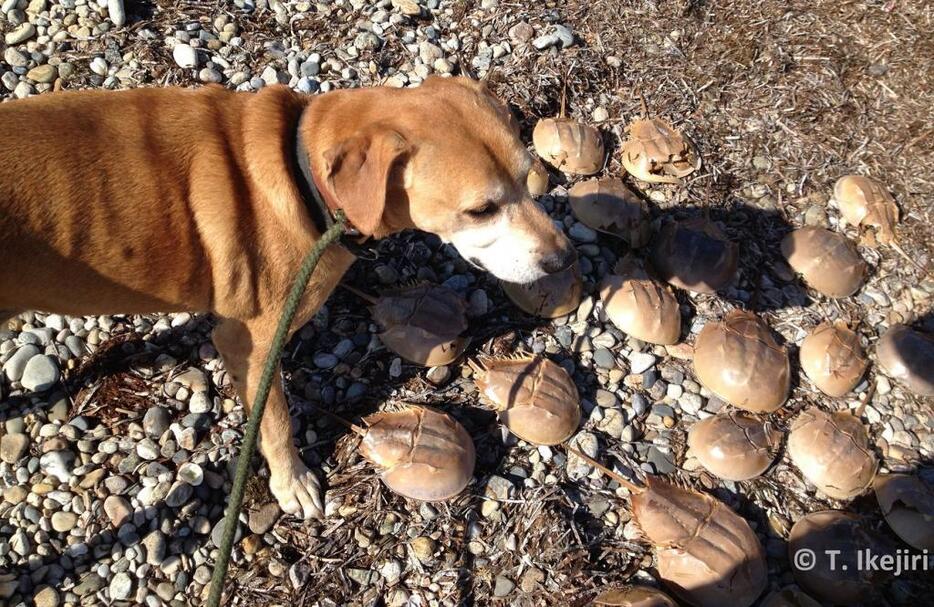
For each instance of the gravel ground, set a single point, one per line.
(119, 433)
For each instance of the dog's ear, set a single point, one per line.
(358, 172)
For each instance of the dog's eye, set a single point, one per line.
(483, 211)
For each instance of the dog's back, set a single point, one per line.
(96, 196)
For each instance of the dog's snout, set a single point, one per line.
(560, 260)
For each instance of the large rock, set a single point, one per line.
(40, 374)
(16, 365)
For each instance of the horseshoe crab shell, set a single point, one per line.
(833, 359)
(908, 506)
(707, 554)
(534, 397)
(640, 306)
(739, 360)
(695, 255)
(832, 451)
(537, 181)
(789, 596)
(864, 201)
(551, 296)
(907, 355)
(608, 206)
(734, 446)
(658, 153)
(841, 581)
(568, 145)
(633, 596)
(422, 323)
(422, 453)
(828, 261)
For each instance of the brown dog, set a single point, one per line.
(162, 200)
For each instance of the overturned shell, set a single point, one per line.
(423, 323)
(734, 446)
(695, 255)
(832, 451)
(830, 541)
(739, 360)
(569, 145)
(789, 596)
(828, 261)
(908, 356)
(707, 554)
(534, 397)
(657, 152)
(633, 596)
(833, 359)
(537, 179)
(607, 205)
(551, 296)
(640, 306)
(863, 201)
(424, 454)
(908, 506)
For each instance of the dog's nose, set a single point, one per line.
(560, 260)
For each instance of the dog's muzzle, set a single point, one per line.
(559, 261)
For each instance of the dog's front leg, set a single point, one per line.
(244, 346)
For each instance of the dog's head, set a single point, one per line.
(445, 158)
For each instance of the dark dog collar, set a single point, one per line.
(318, 209)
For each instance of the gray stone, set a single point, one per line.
(325, 360)
(15, 366)
(155, 545)
(582, 233)
(178, 495)
(15, 58)
(209, 75)
(156, 421)
(12, 447)
(660, 461)
(503, 586)
(21, 34)
(604, 359)
(40, 374)
(217, 533)
(89, 584)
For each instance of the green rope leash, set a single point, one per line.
(248, 447)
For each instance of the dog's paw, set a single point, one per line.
(298, 491)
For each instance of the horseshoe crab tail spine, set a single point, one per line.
(622, 480)
(913, 261)
(352, 427)
(364, 296)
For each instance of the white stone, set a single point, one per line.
(185, 56)
(117, 12)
